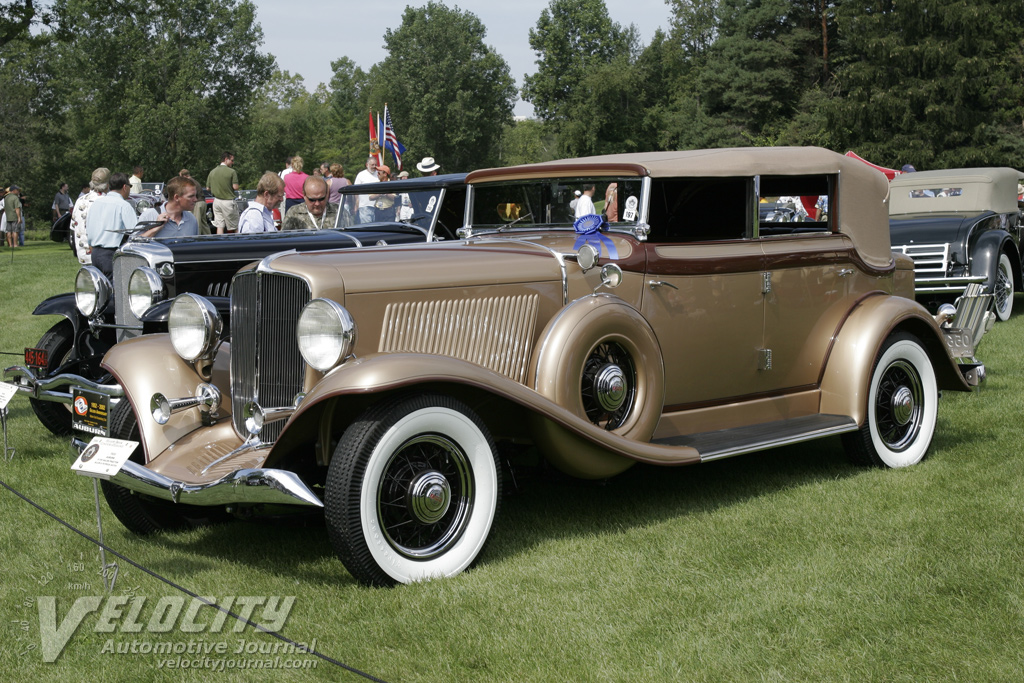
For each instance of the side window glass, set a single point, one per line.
(789, 205)
(684, 210)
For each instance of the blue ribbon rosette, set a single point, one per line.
(589, 230)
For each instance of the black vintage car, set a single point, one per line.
(960, 226)
(434, 204)
(149, 273)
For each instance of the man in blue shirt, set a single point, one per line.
(110, 218)
(259, 216)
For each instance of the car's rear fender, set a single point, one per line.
(847, 374)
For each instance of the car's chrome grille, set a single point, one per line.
(931, 259)
(124, 265)
(496, 332)
(266, 366)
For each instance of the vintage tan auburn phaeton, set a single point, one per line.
(675, 328)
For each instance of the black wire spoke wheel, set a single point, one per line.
(425, 496)
(899, 405)
(608, 385)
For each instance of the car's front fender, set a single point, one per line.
(985, 256)
(342, 394)
(147, 365)
(64, 305)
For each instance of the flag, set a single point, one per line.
(391, 139)
(374, 140)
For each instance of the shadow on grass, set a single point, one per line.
(544, 507)
(646, 494)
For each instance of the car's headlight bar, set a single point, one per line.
(326, 334)
(195, 326)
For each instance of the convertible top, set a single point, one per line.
(964, 190)
(862, 213)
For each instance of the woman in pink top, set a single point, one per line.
(293, 184)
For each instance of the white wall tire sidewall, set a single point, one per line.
(912, 352)
(463, 431)
(1004, 265)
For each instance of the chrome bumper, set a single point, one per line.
(951, 286)
(241, 486)
(52, 388)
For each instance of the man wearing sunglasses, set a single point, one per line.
(315, 213)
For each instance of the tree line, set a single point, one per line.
(171, 83)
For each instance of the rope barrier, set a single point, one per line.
(186, 591)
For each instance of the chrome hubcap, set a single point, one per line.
(429, 497)
(902, 406)
(610, 387)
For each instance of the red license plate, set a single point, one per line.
(37, 358)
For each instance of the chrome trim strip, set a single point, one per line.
(43, 389)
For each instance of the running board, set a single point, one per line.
(726, 443)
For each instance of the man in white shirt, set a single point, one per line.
(585, 203)
(135, 181)
(367, 214)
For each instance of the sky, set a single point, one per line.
(307, 35)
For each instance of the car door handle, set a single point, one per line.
(845, 272)
(660, 283)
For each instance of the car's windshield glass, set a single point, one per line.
(376, 205)
(555, 202)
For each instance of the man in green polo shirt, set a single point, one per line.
(223, 181)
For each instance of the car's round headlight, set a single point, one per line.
(144, 289)
(326, 333)
(195, 326)
(92, 291)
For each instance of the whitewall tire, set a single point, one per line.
(1003, 288)
(902, 407)
(412, 491)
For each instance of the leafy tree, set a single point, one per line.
(756, 71)
(936, 84)
(450, 95)
(16, 17)
(527, 142)
(580, 50)
(166, 87)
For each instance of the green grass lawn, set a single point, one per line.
(789, 565)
